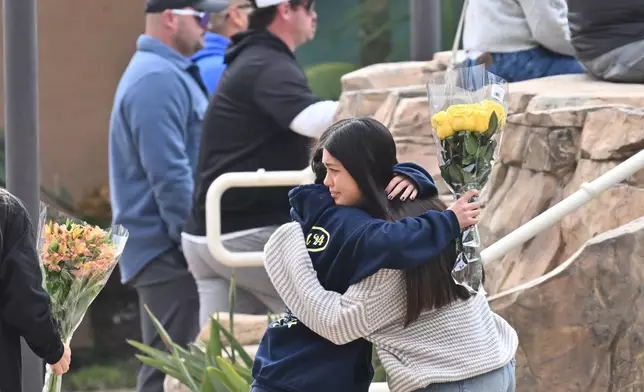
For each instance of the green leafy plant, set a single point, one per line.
(324, 79)
(379, 374)
(213, 368)
(217, 367)
(101, 377)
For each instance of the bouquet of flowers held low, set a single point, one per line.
(76, 259)
(468, 112)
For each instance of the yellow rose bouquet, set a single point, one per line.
(468, 112)
(76, 260)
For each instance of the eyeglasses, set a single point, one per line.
(203, 18)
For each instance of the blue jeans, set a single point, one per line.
(531, 64)
(499, 380)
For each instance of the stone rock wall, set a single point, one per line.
(546, 156)
(581, 326)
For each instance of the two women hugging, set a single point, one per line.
(377, 272)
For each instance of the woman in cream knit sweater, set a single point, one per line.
(430, 334)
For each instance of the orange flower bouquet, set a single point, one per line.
(76, 259)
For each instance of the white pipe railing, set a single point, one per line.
(242, 180)
(587, 192)
(548, 218)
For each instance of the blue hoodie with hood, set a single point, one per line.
(346, 245)
(210, 60)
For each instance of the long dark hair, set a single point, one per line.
(367, 150)
(429, 286)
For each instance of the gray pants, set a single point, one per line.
(255, 293)
(624, 64)
(169, 291)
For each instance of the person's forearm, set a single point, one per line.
(549, 24)
(402, 244)
(315, 119)
(27, 305)
(338, 318)
(173, 195)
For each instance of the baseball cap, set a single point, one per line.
(268, 3)
(153, 6)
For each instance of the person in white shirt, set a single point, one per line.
(263, 115)
(519, 39)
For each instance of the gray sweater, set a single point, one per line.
(456, 342)
(501, 26)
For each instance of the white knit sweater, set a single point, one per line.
(456, 342)
(515, 25)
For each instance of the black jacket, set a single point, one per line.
(599, 26)
(246, 128)
(24, 304)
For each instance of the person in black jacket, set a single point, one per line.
(24, 304)
(608, 37)
(262, 116)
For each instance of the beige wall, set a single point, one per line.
(84, 46)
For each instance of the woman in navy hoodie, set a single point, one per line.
(342, 217)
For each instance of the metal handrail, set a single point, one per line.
(529, 230)
(548, 218)
(213, 209)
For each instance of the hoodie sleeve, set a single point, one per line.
(416, 173)
(24, 303)
(402, 244)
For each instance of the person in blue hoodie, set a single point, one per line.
(349, 239)
(223, 25)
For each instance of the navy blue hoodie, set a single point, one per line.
(346, 245)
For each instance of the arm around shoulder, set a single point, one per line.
(339, 318)
(402, 244)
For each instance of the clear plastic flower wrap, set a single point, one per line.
(468, 113)
(77, 260)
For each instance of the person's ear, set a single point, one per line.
(234, 14)
(284, 10)
(169, 20)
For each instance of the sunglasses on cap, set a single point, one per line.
(203, 18)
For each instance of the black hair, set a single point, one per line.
(430, 285)
(367, 150)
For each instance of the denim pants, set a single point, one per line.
(533, 63)
(499, 380)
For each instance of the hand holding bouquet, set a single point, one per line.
(468, 110)
(77, 259)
